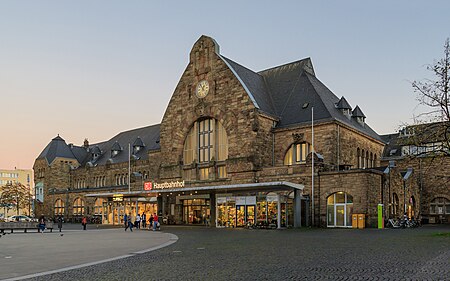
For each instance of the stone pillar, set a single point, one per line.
(297, 208)
(279, 211)
(212, 203)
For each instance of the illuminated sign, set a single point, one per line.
(148, 185)
(165, 185)
(118, 197)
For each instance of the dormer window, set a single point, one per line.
(359, 116)
(116, 149)
(138, 145)
(344, 107)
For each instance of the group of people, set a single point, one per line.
(153, 222)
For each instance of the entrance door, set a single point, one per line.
(340, 215)
(240, 216)
(251, 214)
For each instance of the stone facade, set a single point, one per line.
(256, 149)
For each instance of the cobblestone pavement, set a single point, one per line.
(306, 254)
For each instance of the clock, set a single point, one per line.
(202, 89)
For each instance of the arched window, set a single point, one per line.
(206, 142)
(78, 206)
(98, 206)
(363, 159)
(358, 155)
(395, 205)
(440, 206)
(367, 160)
(339, 210)
(371, 160)
(297, 153)
(59, 207)
(375, 160)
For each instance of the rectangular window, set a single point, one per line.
(204, 173)
(221, 172)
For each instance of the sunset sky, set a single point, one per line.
(91, 69)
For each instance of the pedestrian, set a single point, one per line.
(138, 221)
(125, 220)
(129, 224)
(151, 221)
(84, 222)
(42, 223)
(144, 220)
(155, 221)
(60, 222)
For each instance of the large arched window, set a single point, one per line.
(358, 155)
(59, 207)
(339, 210)
(78, 206)
(206, 143)
(297, 153)
(98, 206)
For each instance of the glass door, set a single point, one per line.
(251, 214)
(240, 216)
(340, 215)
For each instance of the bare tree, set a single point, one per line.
(15, 195)
(435, 95)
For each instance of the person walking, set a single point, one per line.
(60, 222)
(144, 220)
(138, 221)
(151, 221)
(125, 220)
(155, 221)
(84, 222)
(129, 224)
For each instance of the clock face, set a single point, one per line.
(202, 89)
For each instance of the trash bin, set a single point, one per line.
(355, 221)
(361, 221)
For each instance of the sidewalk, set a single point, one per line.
(24, 254)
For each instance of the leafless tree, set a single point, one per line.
(434, 94)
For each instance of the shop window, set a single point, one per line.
(78, 207)
(440, 206)
(59, 207)
(297, 153)
(339, 210)
(98, 206)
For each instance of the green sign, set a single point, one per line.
(380, 216)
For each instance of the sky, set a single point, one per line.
(92, 69)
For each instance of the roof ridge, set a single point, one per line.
(286, 64)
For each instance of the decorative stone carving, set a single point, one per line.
(298, 137)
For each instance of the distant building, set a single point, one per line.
(235, 147)
(424, 150)
(22, 176)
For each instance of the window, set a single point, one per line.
(98, 206)
(297, 153)
(205, 143)
(358, 155)
(440, 206)
(78, 207)
(59, 207)
(395, 204)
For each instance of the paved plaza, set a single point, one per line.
(199, 253)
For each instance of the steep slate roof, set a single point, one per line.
(283, 90)
(56, 148)
(357, 112)
(343, 104)
(148, 135)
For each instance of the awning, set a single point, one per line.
(269, 186)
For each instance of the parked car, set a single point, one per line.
(20, 218)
